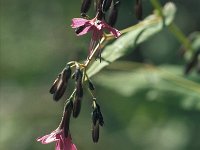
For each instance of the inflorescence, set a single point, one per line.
(104, 20)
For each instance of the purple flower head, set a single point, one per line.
(62, 142)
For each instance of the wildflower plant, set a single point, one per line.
(101, 26)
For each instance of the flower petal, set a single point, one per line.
(115, 32)
(77, 22)
(52, 137)
(112, 30)
(68, 145)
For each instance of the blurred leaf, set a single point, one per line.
(141, 32)
(158, 79)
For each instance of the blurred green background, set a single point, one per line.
(141, 110)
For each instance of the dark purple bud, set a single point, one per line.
(98, 4)
(100, 15)
(106, 5)
(94, 117)
(77, 73)
(95, 132)
(79, 86)
(62, 85)
(68, 73)
(100, 116)
(76, 107)
(112, 18)
(67, 115)
(138, 9)
(55, 85)
(85, 6)
(96, 114)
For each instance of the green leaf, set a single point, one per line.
(140, 32)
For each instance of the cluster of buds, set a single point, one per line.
(76, 72)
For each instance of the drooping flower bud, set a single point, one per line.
(68, 73)
(67, 115)
(55, 85)
(98, 4)
(79, 93)
(106, 5)
(97, 119)
(76, 107)
(95, 132)
(79, 86)
(60, 85)
(112, 18)
(85, 6)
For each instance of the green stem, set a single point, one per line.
(174, 29)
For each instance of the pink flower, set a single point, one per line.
(62, 143)
(97, 27)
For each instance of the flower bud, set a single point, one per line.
(85, 6)
(106, 5)
(77, 73)
(76, 106)
(55, 85)
(68, 73)
(67, 115)
(98, 4)
(62, 85)
(112, 18)
(95, 132)
(60, 90)
(100, 116)
(97, 119)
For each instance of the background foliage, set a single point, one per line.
(145, 106)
